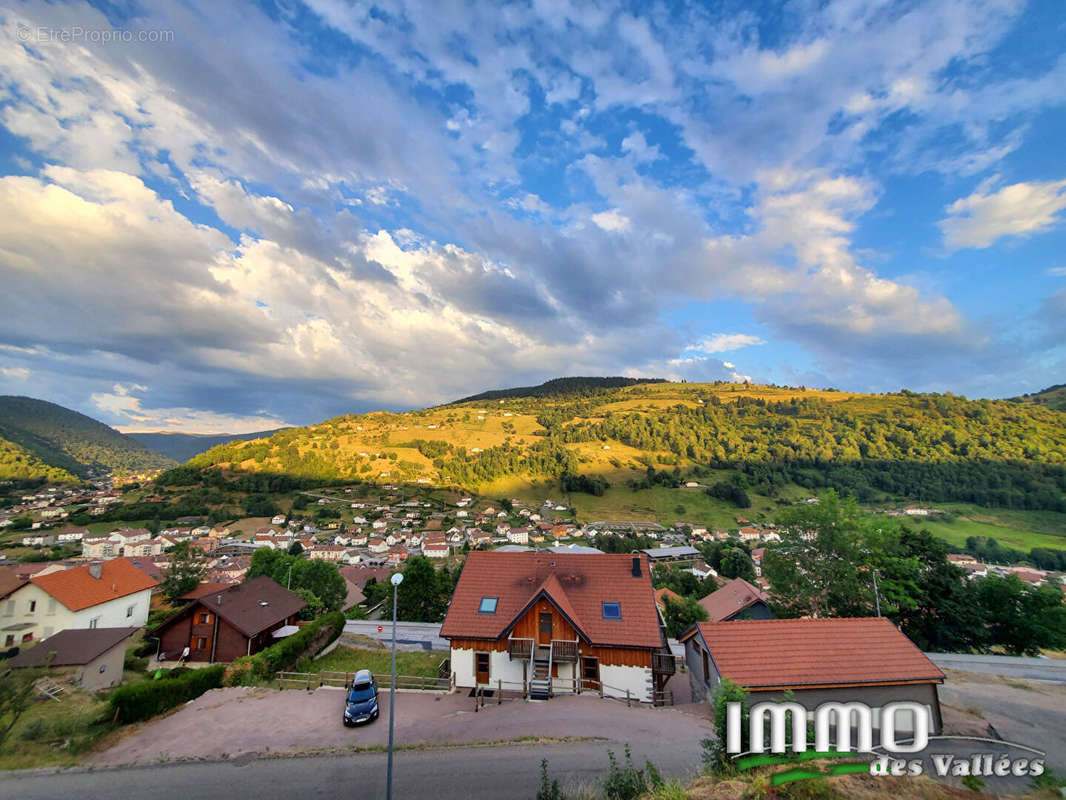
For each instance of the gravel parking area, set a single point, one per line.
(225, 723)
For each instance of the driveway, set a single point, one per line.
(224, 723)
(1049, 670)
(409, 635)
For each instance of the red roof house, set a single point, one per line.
(552, 622)
(736, 599)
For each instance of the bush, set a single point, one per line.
(626, 782)
(266, 663)
(547, 791)
(144, 700)
(135, 663)
(34, 730)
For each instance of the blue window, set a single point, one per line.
(488, 605)
(612, 610)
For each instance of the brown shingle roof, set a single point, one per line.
(815, 652)
(577, 584)
(253, 606)
(72, 647)
(77, 589)
(204, 589)
(731, 599)
(10, 580)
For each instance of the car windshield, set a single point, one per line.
(360, 693)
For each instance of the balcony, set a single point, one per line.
(520, 648)
(564, 650)
(663, 663)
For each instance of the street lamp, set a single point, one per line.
(395, 580)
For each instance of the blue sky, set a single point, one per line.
(227, 217)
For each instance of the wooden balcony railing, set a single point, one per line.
(564, 650)
(520, 648)
(663, 663)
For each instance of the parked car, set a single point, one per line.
(362, 702)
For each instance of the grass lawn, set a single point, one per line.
(958, 531)
(54, 733)
(419, 663)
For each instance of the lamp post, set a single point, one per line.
(395, 580)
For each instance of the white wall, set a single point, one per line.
(637, 680)
(501, 667)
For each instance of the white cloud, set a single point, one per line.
(15, 373)
(1017, 210)
(1058, 272)
(726, 342)
(612, 220)
(123, 405)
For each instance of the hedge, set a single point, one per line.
(308, 641)
(144, 700)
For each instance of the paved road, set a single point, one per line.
(409, 635)
(1050, 670)
(474, 773)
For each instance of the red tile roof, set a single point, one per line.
(661, 596)
(577, 584)
(77, 588)
(779, 653)
(731, 599)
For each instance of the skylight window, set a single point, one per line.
(612, 610)
(488, 605)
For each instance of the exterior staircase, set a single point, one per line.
(541, 680)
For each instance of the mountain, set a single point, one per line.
(42, 439)
(779, 442)
(1051, 397)
(559, 387)
(183, 446)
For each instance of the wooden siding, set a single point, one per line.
(608, 656)
(528, 626)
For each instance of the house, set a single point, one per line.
(863, 659)
(108, 594)
(277, 519)
(557, 623)
(435, 550)
(679, 553)
(738, 599)
(91, 658)
(377, 545)
(326, 552)
(71, 535)
(518, 535)
(239, 620)
(664, 594)
(39, 540)
(151, 547)
(397, 554)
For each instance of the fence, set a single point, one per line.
(312, 680)
(500, 689)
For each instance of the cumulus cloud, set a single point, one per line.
(123, 404)
(1020, 209)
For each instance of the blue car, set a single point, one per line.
(362, 702)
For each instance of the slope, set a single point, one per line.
(183, 446)
(1052, 397)
(73, 442)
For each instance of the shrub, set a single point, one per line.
(625, 782)
(308, 641)
(144, 700)
(33, 730)
(547, 791)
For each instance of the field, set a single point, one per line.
(53, 733)
(379, 662)
(1022, 530)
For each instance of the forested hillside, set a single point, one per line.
(933, 447)
(559, 387)
(1051, 397)
(56, 438)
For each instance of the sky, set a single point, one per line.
(227, 217)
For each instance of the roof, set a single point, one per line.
(783, 653)
(204, 589)
(10, 580)
(576, 584)
(72, 647)
(77, 589)
(661, 595)
(672, 552)
(250, 607)
(731, 599)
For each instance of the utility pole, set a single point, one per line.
(877, 594)
(395, 580)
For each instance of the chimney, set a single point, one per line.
(636, 567)
(94, 570)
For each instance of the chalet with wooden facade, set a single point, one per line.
(234, 621)
(553, 623)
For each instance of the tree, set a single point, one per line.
(737, 564)
(184, 572)
(295, 549)
(680, 615)
(423, 596)
(321, 578)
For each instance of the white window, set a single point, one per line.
(94, 622)
(33, 606)
(51, 605)
(129, 611)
